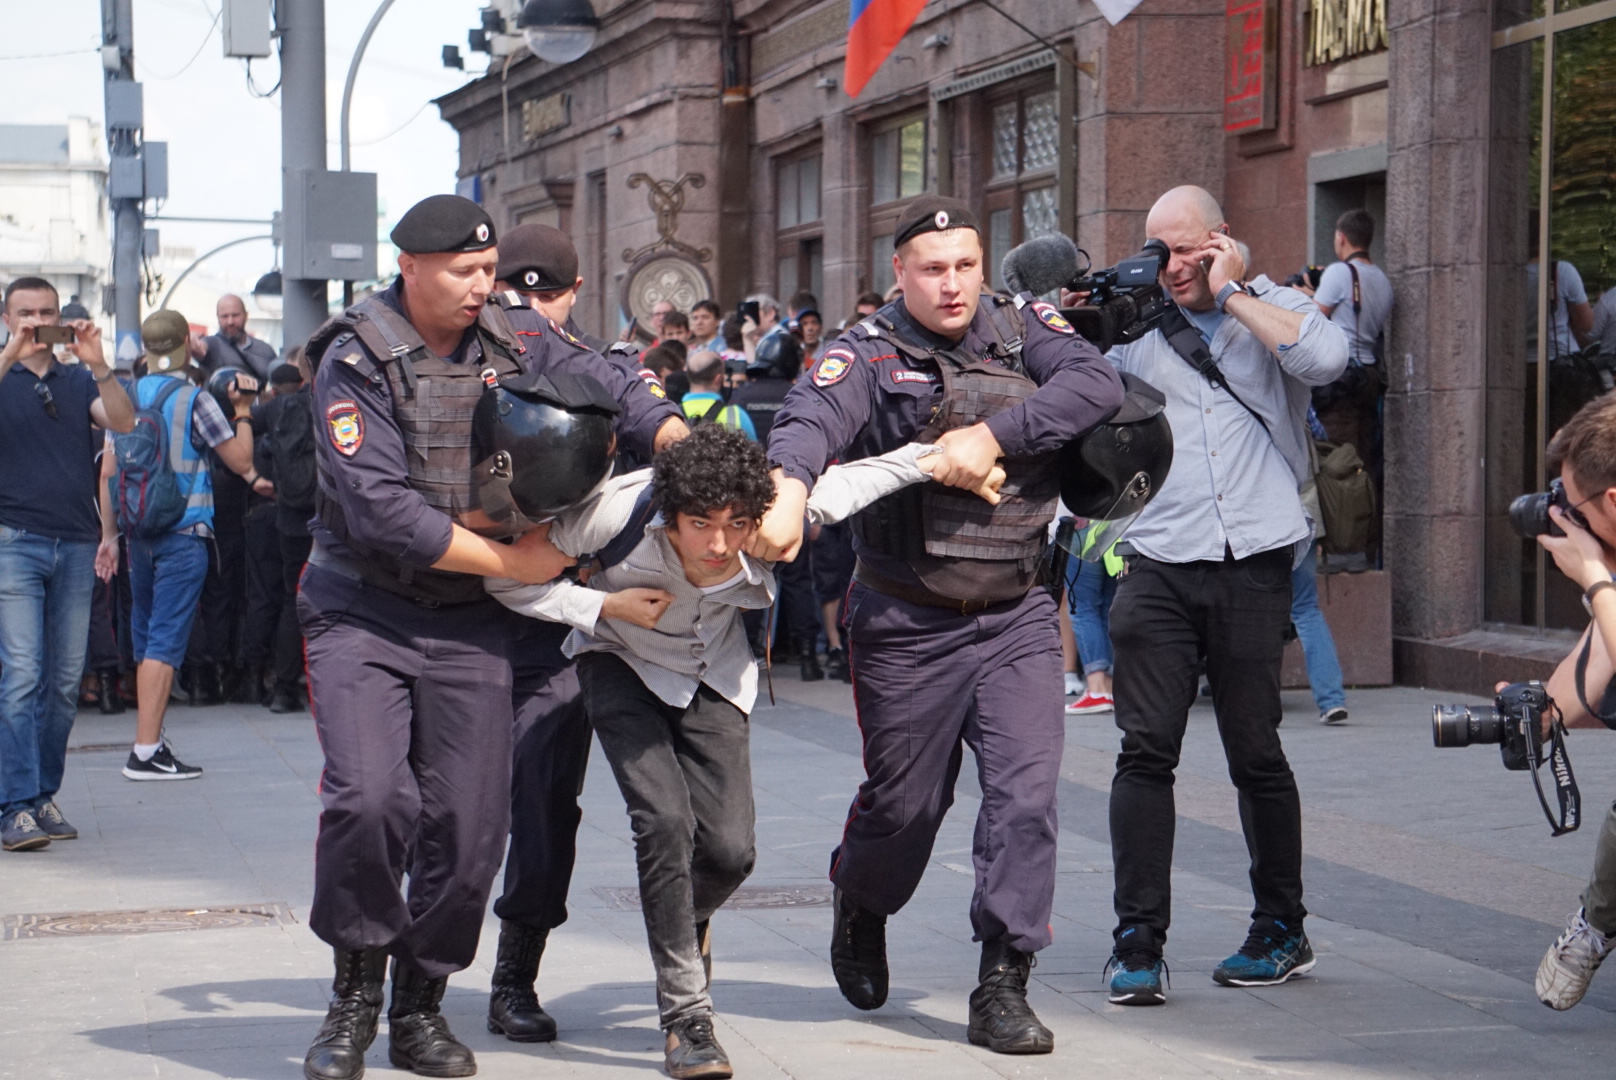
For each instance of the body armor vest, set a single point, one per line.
(961, 546)
(433, 402)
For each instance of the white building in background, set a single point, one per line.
(54, 222)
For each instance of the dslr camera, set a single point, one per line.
(1529, 514)
(1515, 723)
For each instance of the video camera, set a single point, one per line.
(1515, 722)
(1125, 301)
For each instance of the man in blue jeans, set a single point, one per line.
(166, 571)
(1318, 647)
(48, 530)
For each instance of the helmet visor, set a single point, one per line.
(495, 513)
(1090, 543)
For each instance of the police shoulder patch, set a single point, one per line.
(834, 365)
(652, 383)
(1051, 318)
(347, 427)
(565, 335)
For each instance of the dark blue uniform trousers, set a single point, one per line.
(927, 682)
(413, 709)
(551, 756)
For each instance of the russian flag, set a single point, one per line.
(874, 28)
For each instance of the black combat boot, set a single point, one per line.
(107, 698)
(338, 1052)
(285, 700)
(858, 954)
(513, 1008)
(1001, 1019)
(418, 1037)
(836, 666)
(811, 671)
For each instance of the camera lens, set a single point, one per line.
(1460, 725)
(1529, 515)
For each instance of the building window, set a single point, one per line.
(1551, 284)
(1020, 197)
(897, 174)
(799, 246)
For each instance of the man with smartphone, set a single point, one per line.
(49, 529)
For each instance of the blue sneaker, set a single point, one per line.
(1269, 957)
(1135, 978)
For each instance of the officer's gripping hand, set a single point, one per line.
(969, 455)
(779, 536)
(990, 487)
(642, 607)
(533, 560)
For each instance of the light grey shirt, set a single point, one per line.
(1604, 330)
(1335, 292)
(700, 637)
(1232, 483)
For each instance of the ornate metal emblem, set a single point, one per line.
(667, 198)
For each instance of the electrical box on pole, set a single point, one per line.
(245, 28)
(155, 157)
(331, 226)
(124, 105)
(126, 179)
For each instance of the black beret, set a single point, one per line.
(537, 258)
(442, 223)
(932, 213)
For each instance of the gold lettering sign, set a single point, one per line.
(540, 116)
(1338, 29)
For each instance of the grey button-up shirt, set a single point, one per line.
(1232, 483)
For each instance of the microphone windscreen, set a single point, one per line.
(1041, 265)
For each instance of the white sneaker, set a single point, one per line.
(1570, 963)
(1337, 715)
(1074, 684)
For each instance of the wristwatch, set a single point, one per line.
(1593, 590)
(1229, 290)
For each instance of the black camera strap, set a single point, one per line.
(1187, 342)
(1565, 783)
(1608, 719)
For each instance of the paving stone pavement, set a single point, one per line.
(1433, 883)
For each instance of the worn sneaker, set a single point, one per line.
(53, 824)
(1337, 715)
(1570, 963)
(1136, 978)
(691, 1050)
(21, 832)
(1090, 703)
(162, 766)
(1269, 957)
(1074, 684)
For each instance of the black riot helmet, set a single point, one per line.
(547, 444)
(1110, 474)
(778, 356)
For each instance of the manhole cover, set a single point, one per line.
(747, 896)
(151, 921)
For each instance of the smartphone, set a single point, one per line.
(749, 310)
(54, 335)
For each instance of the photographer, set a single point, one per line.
(1209, 576)
(1584, 452)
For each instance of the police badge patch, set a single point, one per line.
(834, 366)
(562, 332)
(1051, 318)
(347, 427)
(652, 383)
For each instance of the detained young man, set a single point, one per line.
(669, 680)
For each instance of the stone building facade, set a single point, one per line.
(708, 147)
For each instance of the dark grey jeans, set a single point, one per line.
(686, 775)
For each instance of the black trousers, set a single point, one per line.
(413, 709)
(294, 552)
(216, 635)
(547, 776)
(265, 585)
(1166, 618)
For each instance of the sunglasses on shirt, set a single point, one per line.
(42, 392)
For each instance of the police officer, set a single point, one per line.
(950, 639)
(774, 367)
(409, 679)
(552, 734)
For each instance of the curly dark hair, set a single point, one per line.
(716, 468)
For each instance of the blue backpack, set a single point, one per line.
(146, 492)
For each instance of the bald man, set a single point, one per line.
(1208, 575)
(232, 346)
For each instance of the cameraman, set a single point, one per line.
(1209, 577)
(1584, 451)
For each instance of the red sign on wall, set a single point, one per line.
(1250, 80)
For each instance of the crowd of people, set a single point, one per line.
(485, 538)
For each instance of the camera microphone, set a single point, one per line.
(1041, 265)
